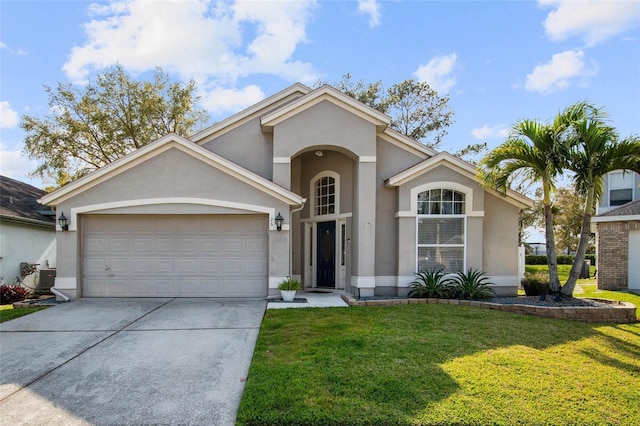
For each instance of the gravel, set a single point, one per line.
(549, 301)
(524, 300)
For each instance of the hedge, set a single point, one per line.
(563, 259)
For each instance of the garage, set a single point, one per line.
(174, 255)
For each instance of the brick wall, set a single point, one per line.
(613, 254)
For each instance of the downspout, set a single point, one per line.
(304, 200)
(59, 294)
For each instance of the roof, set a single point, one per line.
(330, 94)
(626, 212)
(629, 209)
(282, 97)
(161, 145)
(19, 201)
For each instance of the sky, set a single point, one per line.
(498, 61)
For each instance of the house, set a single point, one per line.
(27, 229)
(620, 187)
(617, 228)
(618, 234)
(306, 183)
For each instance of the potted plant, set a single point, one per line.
(288, 288)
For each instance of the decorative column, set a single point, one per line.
(363, 279)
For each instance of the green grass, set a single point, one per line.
(8, 312)
(563, 271)
(439, 364)
(588, 287)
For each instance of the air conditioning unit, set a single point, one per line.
(46, 281)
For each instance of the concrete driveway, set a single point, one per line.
(128, 362)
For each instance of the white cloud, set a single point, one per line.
(8, 117)
(438, 72)
(371, 8)
(18, 52)
(16, 165)
(207, 40)
(219, 100)
(594, 21)
(485, 132)
(558, 73)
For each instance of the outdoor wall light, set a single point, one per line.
(64, 222)
(319, 153)
(279, 219)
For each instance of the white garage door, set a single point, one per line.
(174, 256)
(634, 260)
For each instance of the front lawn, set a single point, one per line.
(8, 312)
(439, 364)
(563, 271)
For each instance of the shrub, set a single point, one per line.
(535, 284)
(535, 259)
(12, 293)
(472, 285)
(430, 284)
(563, 259)
(290, 284)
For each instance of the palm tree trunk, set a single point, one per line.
(552, 260)
(567, 289)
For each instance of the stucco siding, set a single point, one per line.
(324, 125)
(248, 138)
(171, 174)
(25, 243)
(500, 248)
(442, 174)
(390, 161)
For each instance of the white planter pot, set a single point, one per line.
(288, 295)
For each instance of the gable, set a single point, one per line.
(283, 97)
(170, 162)
(325, 93)
(458, 166)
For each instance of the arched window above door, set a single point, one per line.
(325, 190)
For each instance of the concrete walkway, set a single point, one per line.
(128, 362)
(314, 300)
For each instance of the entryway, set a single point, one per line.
(326, 255)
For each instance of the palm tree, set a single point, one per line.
(594, 150)
(533, 149)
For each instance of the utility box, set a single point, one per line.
(585, 271)
(46, 281)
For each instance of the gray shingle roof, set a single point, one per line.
(629, 209)
(19, 200)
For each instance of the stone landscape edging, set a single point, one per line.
(617, 312)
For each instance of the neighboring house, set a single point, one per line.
(363, 207)
(27, 229)
(618, 247)
(617, 228)
(619, 188)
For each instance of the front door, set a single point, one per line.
(326, 255)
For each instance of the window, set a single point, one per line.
(441, 230)
(441, 201)
(620, 188)
(325, 196)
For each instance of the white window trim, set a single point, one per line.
(609, 188)
(312, 192)
(467, 209)
(467, 191)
